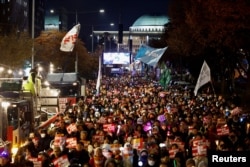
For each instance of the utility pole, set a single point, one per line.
(120, 28)
(33, 33)
(92, 39)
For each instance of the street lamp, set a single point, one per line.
(76, 13)
(84, 12)
(33, 33)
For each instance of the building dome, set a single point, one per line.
(151, 20)
(149, 24)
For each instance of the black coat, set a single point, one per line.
(44, 143)
(79, 157)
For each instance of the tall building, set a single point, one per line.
(56, 19)
(16, 16)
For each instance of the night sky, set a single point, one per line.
(116, 11)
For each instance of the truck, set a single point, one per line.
(68, 87)
(18, 112)
(27, 104)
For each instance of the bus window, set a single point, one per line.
(28, 117)
(12, 114)
(22, 112)
(25, 115)
(68, 91)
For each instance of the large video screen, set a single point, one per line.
(116, 58)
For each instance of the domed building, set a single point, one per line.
(149, 24)
(144, 29)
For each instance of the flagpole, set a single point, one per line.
(213, 87)
(76, 63)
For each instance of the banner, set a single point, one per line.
(62, 161)
(109, 128)
(165, 77)
(152, 58)
(137, 143)
(71, 142)
(149, 55)
(204, 77)
(222, 130)
(37, 162)
(69, 40)
(142, 51)
(71, 128)
(172, 153)
(200, 147)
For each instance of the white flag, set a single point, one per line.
(69, 40)
(98, 82)
(204, 77)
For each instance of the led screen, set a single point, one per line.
(116, 58)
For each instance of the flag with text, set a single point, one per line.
(69, 40)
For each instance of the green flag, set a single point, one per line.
(165, 77)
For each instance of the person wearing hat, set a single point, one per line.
(143, 157)
(153, 160)
(5, 159)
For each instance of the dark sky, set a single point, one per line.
(116, 11)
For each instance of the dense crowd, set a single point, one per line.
(133, 121)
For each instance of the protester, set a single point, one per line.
(132, 114)
(43, 141)
(79, 155)
(45, 159)
(5, 159)
(98, 159)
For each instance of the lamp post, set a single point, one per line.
(92, 39)
(33, 33)
(76, 15)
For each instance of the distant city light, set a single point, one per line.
(1, 69)
(10, 71)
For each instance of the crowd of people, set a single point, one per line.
(133, 121)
